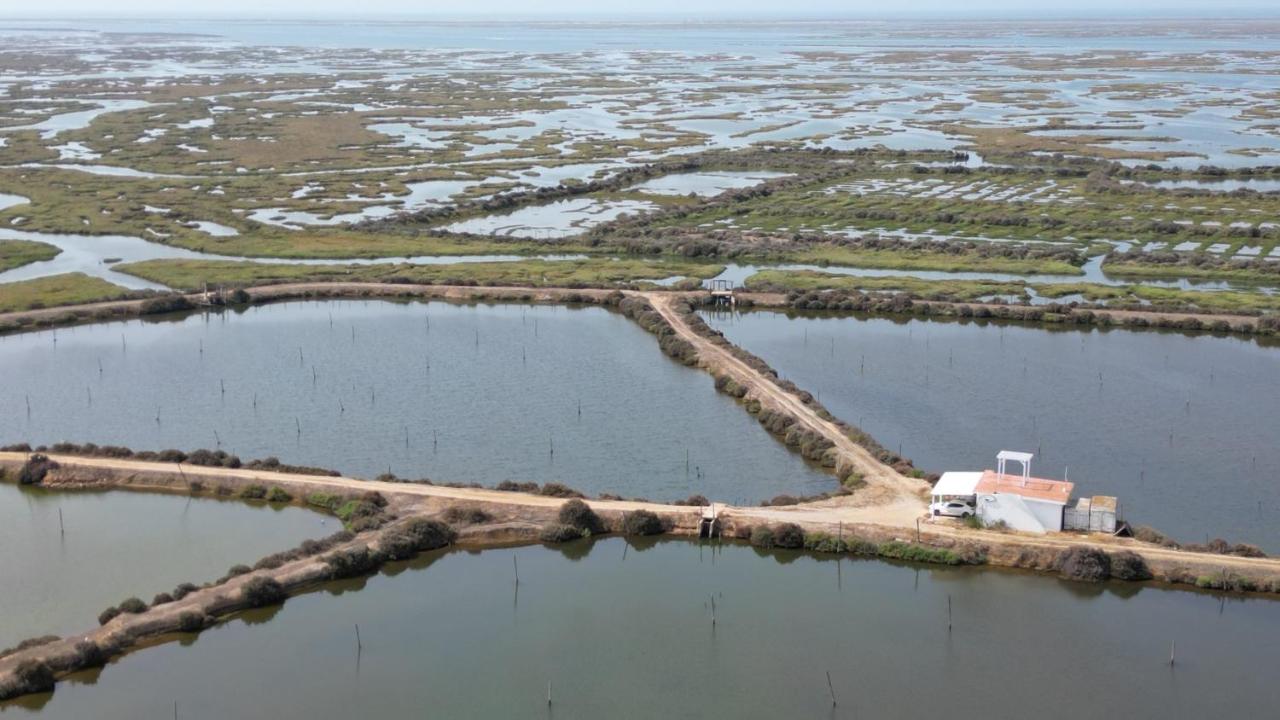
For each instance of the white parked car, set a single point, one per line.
(952, 508)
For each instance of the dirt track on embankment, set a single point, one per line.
(77, 472)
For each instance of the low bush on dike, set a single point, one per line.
(325, 501)
(643, 522)
(165, 304)
(549, 490)
(787, 535)
(417, 535)
(133, 606)
(204, 458)
(278, 495)
(30, 643)
(1090, 564)
(457, 515)
(895, 550)
(791, 536)
(559, 533)
(579, 515)
(34, 470)
(262, 591)
(253, 492)
(32, 676)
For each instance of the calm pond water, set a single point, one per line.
(1184, 430)
(455, 393)
(123, 544)
(628, 634)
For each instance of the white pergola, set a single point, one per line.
(1022, 458)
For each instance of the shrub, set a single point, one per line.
(351, 562)
(560, 491)
(353, 510)
(895, 550)
(580, 516)
(466, 516)
(164, 304)
(788, 535)
(324, 500)
(1083, 563)
(34, 470)
(429, 534)
(183, 590)
(780, 500)
(642, 522)
(30, 643)
(558, 533)
(824, 543)
(161, 599)
(253, 492)
(278, 495)
(692, 501)
(236, 571)
(133, 606)
(190, 622)
(415, 536)
(89, 654)
(762, 537)
(262, 591)
(108, 615)
(1127, 565)
(33, 676)
(1149, 534)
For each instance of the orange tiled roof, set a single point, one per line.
(1037, 488)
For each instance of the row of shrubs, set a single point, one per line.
(674, 346)
(793, 537)
(577, 520)
(398, 543)
(203, 458)
(812, 445)
(1090, 564)
(1216, 546)
(943, 305)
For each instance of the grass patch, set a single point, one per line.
(594, 272)
(805, 280)
(16, 253)
(65, 289)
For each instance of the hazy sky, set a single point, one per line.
(365, 8)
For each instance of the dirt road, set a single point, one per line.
(890, 498)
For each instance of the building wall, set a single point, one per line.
(1020, 513)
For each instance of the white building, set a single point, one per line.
(1021, 502)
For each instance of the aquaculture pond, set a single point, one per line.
(68, 555)
(457, 393)
(625, 631)
(1185, 430)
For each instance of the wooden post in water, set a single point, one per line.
(948, 612)
(62, 529)
(1173, 646)
(831, 689)
(548, 693)
(359, 645)
(515, 566)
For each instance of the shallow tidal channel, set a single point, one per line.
(455, 393)
(66, 556)
(1185, 430)
(624, 629)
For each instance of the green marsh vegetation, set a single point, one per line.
(16, 253)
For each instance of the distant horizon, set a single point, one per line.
(656, 10)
